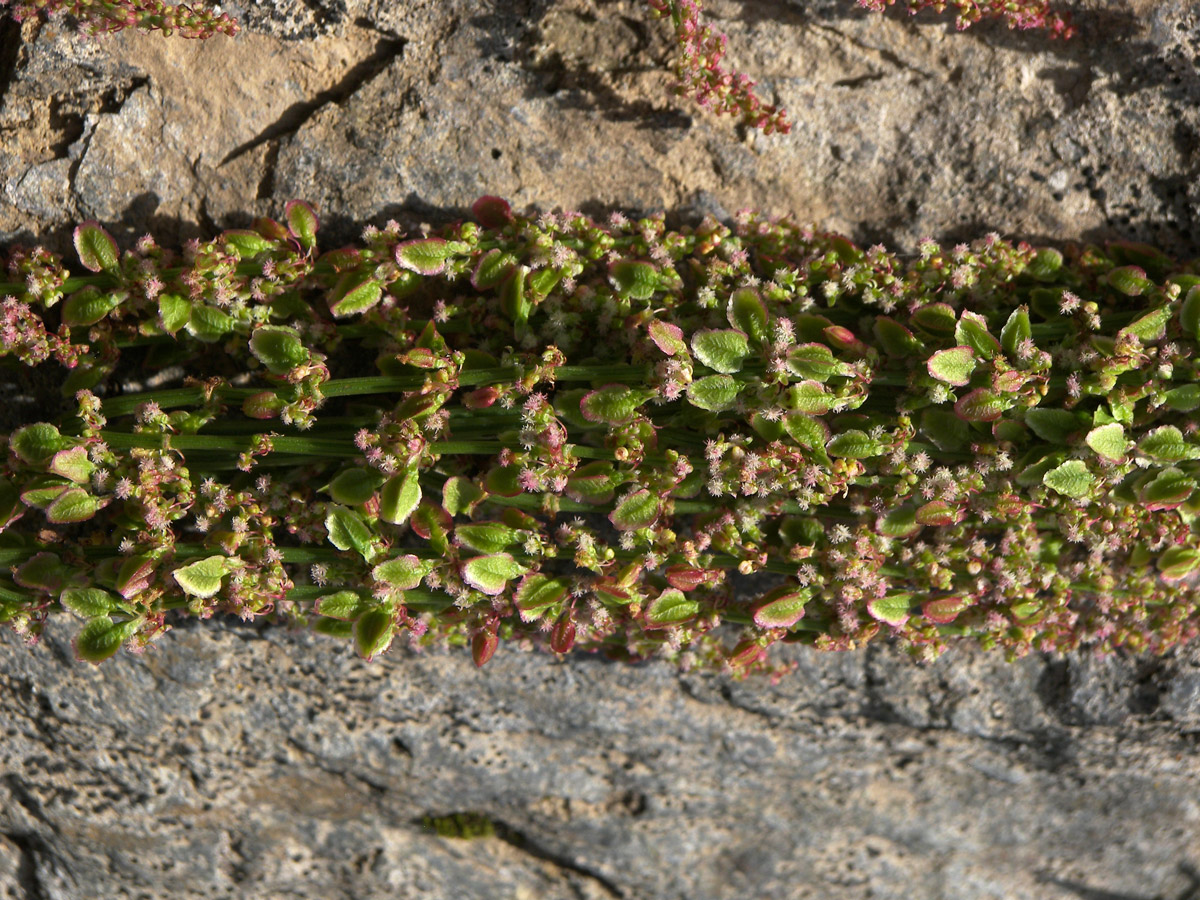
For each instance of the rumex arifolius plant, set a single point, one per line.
(645, 442)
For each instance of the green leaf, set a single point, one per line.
(892, 609)
(88, 306)
(96, 248)
(1016, 330)
(101, 638)
(353, 487)
(1108, 441)
(747, 313)
(73, 464)
(542, 282)
(633, 278)
(494, 266)
(347, 531)
(1046, 264)
(953, 366)
(72, 505)
(37, 443)
(809, 397)
(278, 348)
(713, 392)
(174, 312)
(302, 223)
(639, 510)
(945, 610)
(900, 522)
(1057, 426)
(427, 256)
(88, 603)
(403, 573)
(343, 605)
(43, 572)
(722, 351)
(400, 497)
(895, 339)
(491, 574)
(514, 302)
(1032, 475)
(354, 293)
(981, 405)
(806, 431)
(591, 483)
(1189, 313)
(939, 514)
(936, 318)
(1071, 479)
(536, 594)
(1150, 327)
(854, 444)
(203, 577)
(1166, 444)
(814, 361)
(487, 537)
(671, 607)
(208, 324)
(948, 432)
(246, 244)
(1129, 280)
(1183, 399)
(667, 337)
(614, 404)
(1169, 490)
(972, 331)
(134, 575)
(373, 633)
(781, 608)
(460, 495)
(1177, 562)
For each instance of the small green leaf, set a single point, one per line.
(1189, 313)
(36, 444)
(614, 404)
(174, 312)
(460, 495)
(1071, 479)
(1150, 327)
(427, 256)
(671, 607)
(972, 331)
(72, 505)
(343, 605)
(900, 522)
(403, 573)
(639, 510)
(399, 497)
(1166, 444)
(945, 610)
(806, 431)
(1016, 330)
(747, 313)
(854, 444)
(1108, 441)
(88, 306)
(895, 339)
(713, 392)
(246, 244)
(667, 337)
(809, 397)
(208, 324)
(1183, 399)
(1177, 562)
(953, 366)
(1046, 264)
(203, 577)
(88, 603)
(101, 638)
(353, 487)
(491, 574)
(633, 278)
(948, 432)
(373, 633)
(278, 348)
(781, 608)
(354, 293)
(981, 405)
(591, 483)
(514, 301)
(537, 594)
(302, 223)
(892, 609)
(1057, 426)
(494, 266)
(487, 537)
(42, 572)
(722, 351)
(1129, 280)
(1169, 490)
(96, 248)
(814, 361)
(73, 464)
(939, 514)
(347, 531)
(936, 318)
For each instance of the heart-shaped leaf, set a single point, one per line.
(614, 404)
(278, 348)
(345, 606)
(302, 223)
(72, 505)
(399, 497)
(347, 531)
(354, 293)
(722, 351)
(373, 633)
(782, 607)
(96, 248)
(73, 464)
(747, 314)
(87, 603)
(402, 573)
(537, 594)
(671, 607)
(460, 495)
(1071, 479)
(88, 306)
(953, 366)
(713, 393)
(353, 487)
(491, 574)
(203, 577)
(639, 510)
(487, 537)
(854, 444)
(101, 638)
(1108, 441)
(892, 609)
(633, 278)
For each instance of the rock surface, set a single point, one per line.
(241, 762)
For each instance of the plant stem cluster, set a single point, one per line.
(561, 433)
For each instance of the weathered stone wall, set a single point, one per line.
(232, 761)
